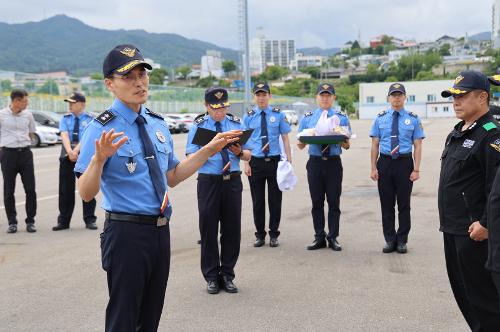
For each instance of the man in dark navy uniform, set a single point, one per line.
(127, 153)
(219, 195)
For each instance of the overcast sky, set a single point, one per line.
(327, 23)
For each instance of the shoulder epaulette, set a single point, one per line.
(251, 112)
(276, 109)
(200, 118)
(105, 117)
(489, 126)
(381, 113)
(233, 118)
(413, 114)
(342, 113)
(156, 115)
(65, 115)
(308, 114)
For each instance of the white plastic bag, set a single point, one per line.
(285, 176)
(326, 125)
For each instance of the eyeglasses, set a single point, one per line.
(130, 79)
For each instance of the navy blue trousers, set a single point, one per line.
(136, 258)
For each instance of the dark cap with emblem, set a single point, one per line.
(261, 87)
(217, 97)
(75, 98)
(467, 81)
(325, 87)
(122, 59)
(396, 87)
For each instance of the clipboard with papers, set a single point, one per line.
(204, 136)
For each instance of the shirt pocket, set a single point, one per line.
(163, 151)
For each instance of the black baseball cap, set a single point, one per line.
(75, 98)
(396, 87)
(325, 87)
(261, 87)
(467, 81)
(217, 97)
(122, 59)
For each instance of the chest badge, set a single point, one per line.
(131, 165)
(407, 122)
(496, 145)
(272, 119)
(468, 143)
(160, 136)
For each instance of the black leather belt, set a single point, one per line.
(25, 148)
(324, 158)
(268, 158)
(401, 156)
(138, 219)
(222, 177)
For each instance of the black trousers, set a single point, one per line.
(67, 195)
(394, 185)
(265, 171)
(471, 283)
(219, 201)
(136, 258)
(325, 179)
(18, 162)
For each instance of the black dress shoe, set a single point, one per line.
(30, 228)
(228, 285)
(12, 229)
(91, 225)
(259, 243)
(60, 227)
(199, 242)
(317, 244)
(389, 247)
(212, 287)
(334, 245)
(402, 249)
(274, 242)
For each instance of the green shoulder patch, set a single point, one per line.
(489, 126)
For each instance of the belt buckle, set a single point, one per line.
(267, 159)
(324, 158)
(162, 221)
(226, 177)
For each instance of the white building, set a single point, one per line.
(302, 61)
(211, 65)
(422, 98)
(495, 24)
(395, 55)
(264, 52)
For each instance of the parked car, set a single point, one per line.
(45, 135)
(47, 118)
(174, 126)
(185, 119)
(291, 116)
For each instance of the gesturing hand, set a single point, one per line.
(235, 149)
(104, 146)
(222, 139)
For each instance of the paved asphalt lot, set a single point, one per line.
(52, 281)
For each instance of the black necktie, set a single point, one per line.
(225, 155)
(157, 177)
(75, 138)
(263, 133)
(395, 135)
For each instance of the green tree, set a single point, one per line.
(425, 76)
(30, 86)
(157, 76)
(183, 71)
(386, 40)
(6, 85)
(228, 66)
(49, 87)
(315, 72)
(445, 49)
(206, 82)
(97, 76)
(355, 45)
(275, 72)
(371, 69)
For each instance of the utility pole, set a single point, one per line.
(245, 50)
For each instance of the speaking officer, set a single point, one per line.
(468, 165)
(71, 127)
(393, 134)
(127, 152)
(219, 195)
(268, 125)
(17, 128)
(324, 171)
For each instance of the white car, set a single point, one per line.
(45, 135)
(291, 117)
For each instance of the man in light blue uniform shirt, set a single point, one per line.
(324, 171)
(394, 133)
(268, 124)
(219, 195)
(127, 153)
(72, 126)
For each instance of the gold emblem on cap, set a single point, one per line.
(396, 86)
(459, 79)
(260, 85)
(219, 94)
(325, 86)
(130, 52)
(496, 77)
